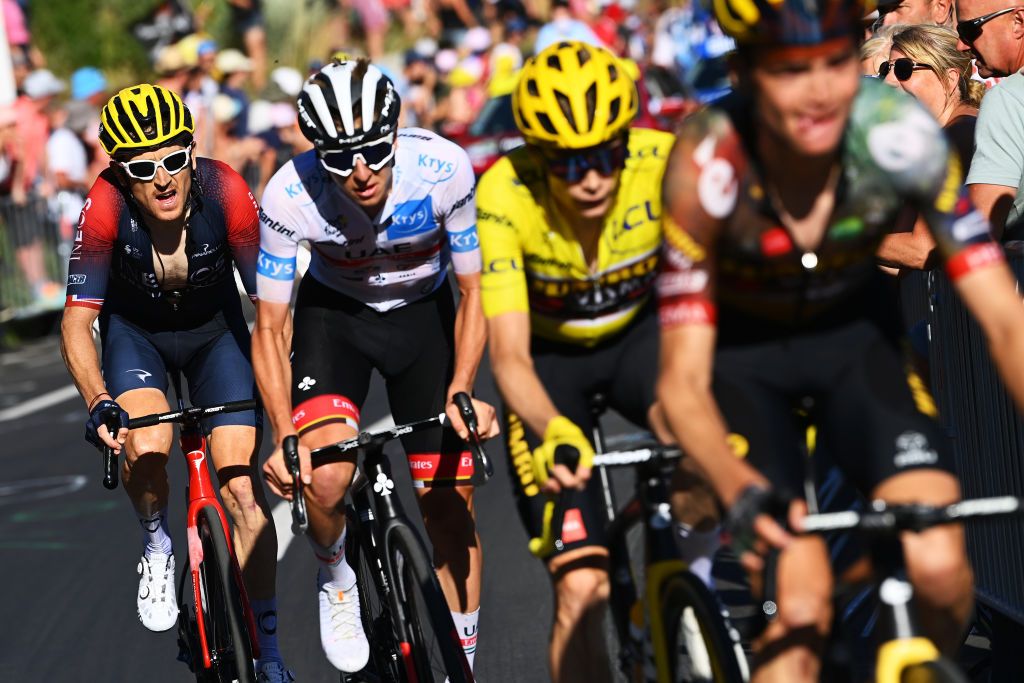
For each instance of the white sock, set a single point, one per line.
(697, 549)
(333, 567)
(467, 626)
(155, 534)
(264, 612)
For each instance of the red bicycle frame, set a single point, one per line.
(201, 493)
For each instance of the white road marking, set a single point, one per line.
(46, 400)
(282, 512)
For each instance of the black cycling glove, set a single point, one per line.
(102, 413)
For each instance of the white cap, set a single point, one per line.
(289, 80)
(42, 83)
(259, 117)
(283, 115)
(477, 39)
(232, 61)
(225, 108)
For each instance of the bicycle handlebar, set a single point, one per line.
(363, 440)
(175, 416)
(882, 518)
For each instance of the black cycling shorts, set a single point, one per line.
(338, 341)
(624, 370)
(873, 414)
(213, 356)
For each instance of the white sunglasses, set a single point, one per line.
(145, 169)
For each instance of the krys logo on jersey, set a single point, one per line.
(275, 267)
(412, 218)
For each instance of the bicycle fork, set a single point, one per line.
(201, 493)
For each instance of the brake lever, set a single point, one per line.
(290, 446)
(109, 457)
(465, 406)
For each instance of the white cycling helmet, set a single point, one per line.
(333, 98)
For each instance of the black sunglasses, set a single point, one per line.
(606, 159)
(970, 30)
(903, 68)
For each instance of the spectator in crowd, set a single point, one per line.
(892, 12)
(200, 52)
(420, 80)
(89, 85)
(466, 96)
(450, 19)
(234, 69)
(171, 70)
(925, 62)
(25, 217)
(373, 19)
(287, 82)
(997, 170)
(19, 39)
(68, 166)
(250, 157)
(875, 50)
(563, 26)
(247, 18)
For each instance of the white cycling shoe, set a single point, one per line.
(157, 606)
(341, 627)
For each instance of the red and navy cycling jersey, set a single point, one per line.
(111, 267)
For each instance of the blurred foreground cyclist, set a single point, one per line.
(771, 300)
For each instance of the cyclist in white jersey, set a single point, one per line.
(384, 212)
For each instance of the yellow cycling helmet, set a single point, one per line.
(780, 23)
(573, 95)
(143, 117)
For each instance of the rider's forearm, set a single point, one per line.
(697, 425)
(523, 392)
(906, 250)
(273, 377)
(80, 357)
(470, 339)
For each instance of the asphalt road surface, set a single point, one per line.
(69, 550)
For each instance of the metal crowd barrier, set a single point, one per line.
(987, 434)
(35, 238)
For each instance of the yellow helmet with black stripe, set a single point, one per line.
(574, 95)
(144, 117)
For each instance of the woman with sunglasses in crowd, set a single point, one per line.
(570, 230)
(385, 210)
(152, 259)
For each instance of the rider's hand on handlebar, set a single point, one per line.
(553, 476)
(487, 422)
(96, 431)
(753, 522)
(279, 477)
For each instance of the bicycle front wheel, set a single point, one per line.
(700, 647)
(227, 637)
(435, 650)
(373, 604)
(939, 670)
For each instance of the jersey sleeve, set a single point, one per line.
(460, 217)
(241, 213)
(279, 241)
(503, 279)
(700, 190)
(93, 249)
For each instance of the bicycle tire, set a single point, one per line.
(940, 670)
(227, 637)
(685, 603)
(435, 648)
(385, 655)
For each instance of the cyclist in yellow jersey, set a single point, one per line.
(570, 232)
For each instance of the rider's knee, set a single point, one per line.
(809, 610)
(147, 447)
(941, 576)
(329, 485)
(582, 589)
(238, 494)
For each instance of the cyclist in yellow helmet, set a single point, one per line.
(570, 232)
(152, 261)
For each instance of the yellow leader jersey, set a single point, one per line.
(533, 261)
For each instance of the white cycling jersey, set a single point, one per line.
(398, 257)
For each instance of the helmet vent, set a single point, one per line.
(613, 109)
(613, 73)
(531, 87)
(591, 99)
(566, 106)
(554, 62)
(545, 121)
(583, 55)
